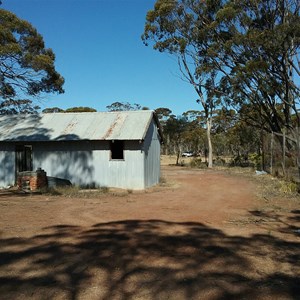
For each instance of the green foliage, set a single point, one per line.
(163, 113)
(11, 106)
(26, 67)
(243, 54)
(80, 109)
(256, 158)
(288, 187)
(231, 136)
(174, 129)
(124, 106)
(219, 161)
(185, 29)
(198, 163)
(263, 75)
(77, 109)
(52, 110)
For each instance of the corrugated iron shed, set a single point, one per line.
(123, 125)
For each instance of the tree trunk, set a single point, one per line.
(263, 158)
(298, 147)
(167, 145)
(177, 158)
(283, 153)
(210, 152)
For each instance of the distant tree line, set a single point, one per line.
(231, 136)
(78, 109)
(115, 106)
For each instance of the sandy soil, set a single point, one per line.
(204, 235)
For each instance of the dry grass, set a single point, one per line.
(76, 192)
(168, 160)
(268, 186)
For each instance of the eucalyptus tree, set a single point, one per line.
(51, 110)
(262, 54)
(80, 109)
(27, 69)
(242, 52)
(123, 106)
(194, 136)
(185, 29)
(259, 58)
(163, 113)
(175, 128)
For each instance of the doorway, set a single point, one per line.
(23, 158)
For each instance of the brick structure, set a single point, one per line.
(32, 180)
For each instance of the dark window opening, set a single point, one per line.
(117, 149)
(23, 158)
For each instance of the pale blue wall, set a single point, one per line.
(89, 163)
(7, 164)
(151, 149)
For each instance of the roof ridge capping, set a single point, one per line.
(96, 112)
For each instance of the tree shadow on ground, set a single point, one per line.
(289, 223)
(148, 259)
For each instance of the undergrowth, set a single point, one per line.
(268, 186)
(76, 192)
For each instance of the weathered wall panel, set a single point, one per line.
(151, 149)
(88, 163)
(7, 164)
(67, 160)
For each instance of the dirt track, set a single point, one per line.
(205, 236)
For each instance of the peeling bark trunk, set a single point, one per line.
(177, 158)
(210, 150)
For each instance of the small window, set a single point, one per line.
(117, 149)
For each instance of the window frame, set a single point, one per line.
(117, 148)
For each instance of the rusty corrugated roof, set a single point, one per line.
(124, 125)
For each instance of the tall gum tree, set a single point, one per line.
(260, 57)
(185, 29)
(245, 53)
(260, 63)
(27, 69)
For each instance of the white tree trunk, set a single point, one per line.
(210, 150)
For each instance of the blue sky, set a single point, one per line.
(100, 54)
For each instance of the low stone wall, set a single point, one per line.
(32, 180)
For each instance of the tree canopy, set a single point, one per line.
(77, 109)
(238, 53)
(27, 69)
(183, 28)
(123, 106)
(80, 109)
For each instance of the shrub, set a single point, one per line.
(197, 163)
(238, 161)
(256, 160)
(219, 161)
(289, 187)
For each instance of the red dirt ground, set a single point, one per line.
(205, 235)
